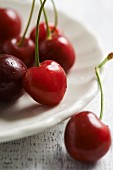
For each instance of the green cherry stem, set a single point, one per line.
(97, 71)
(55, 14)
(26, 29)
(37, 31)
(46, 21)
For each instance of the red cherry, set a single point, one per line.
(0, 47)
(59, 49)
(25, 53)
(87, 139)
(43, 32)
(11, 74)
(47, 83)
(10, 24)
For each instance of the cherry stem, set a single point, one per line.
(26, 29)
(46, 21)
(37, 31)
(97, 71)
(55, 14)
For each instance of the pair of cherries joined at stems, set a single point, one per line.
(87, 139)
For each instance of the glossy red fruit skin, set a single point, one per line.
(11, 77)
(58, 49)
(25, 53)
(46, 84)
(0, 47)
(43, 32)
(10, 24)
(87, 139)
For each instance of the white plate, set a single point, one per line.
(26, 117)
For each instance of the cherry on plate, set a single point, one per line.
(10, 24)
(59, 49)
(11, 75)
(46, 83)
(43, 32)
(87, 139)
(26, 52)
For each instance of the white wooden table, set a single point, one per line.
(46, 151)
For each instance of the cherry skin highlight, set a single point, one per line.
(87, 139)
(25, 53)
(11, 75)
(59, 49)
(43, 32)
(46, 84)
(10, 24)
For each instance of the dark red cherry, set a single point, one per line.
(59, 49)
(0, 47)
(43, 32)
(47, 83)
(25, 53)
(87, 139)
(11, 74)
(10, 24)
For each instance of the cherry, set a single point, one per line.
(0, 47)
(59, 49)
(56, 47)
(46, 84)
(11, 75)
(87, 139)
(45, 29)
(10, 24)
(43, 32)
(21, 47)
(25, 53)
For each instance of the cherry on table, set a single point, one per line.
(10, 24)
(47, 83)
(87, 139)
(11, 75)
(59, 49)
